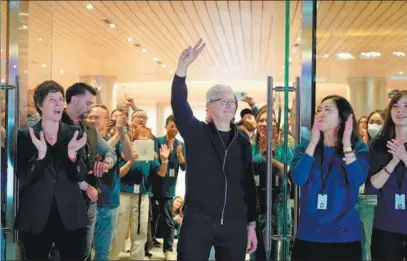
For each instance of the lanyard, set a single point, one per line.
(400, 180)
(324, 178)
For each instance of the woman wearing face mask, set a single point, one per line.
(388, 170)
(368, 201)
(329, 170)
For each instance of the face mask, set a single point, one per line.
(374, 129)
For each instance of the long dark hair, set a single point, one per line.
(344, 110)
(389, 128)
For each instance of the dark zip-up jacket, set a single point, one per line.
(219, 181)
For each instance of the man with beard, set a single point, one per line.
(164, 187)
(248, 122)
(80, 98)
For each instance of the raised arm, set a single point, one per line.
(184, 118)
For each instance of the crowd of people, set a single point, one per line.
(83, 185)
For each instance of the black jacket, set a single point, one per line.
(219, 185)
(47, 180)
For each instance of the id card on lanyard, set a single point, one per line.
(400, 199)
(322, 202)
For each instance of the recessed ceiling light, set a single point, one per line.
(24, 27)
(298, 39)
(25, 71)
(144, 50)
(155, 59)
(43, 65)
(14, 66)
(325, 55)
(130, 39)
(89, 6)
(39, 39)
(171, 72)
(112, 25)
(399, 53)
(1, 49)
(163, 65)
(290, 60)
(370, 54)
(344, 56)
(401, 73)
(2, 80)
(294, 50)
(61, 71)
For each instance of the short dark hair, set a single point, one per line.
(79, 88)
(101, 106)
(245, 111)
(42, 91)
(169, 118)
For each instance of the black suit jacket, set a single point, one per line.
(42, 181)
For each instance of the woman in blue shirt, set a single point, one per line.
(134, 198)
(329, 170)
(388, 170)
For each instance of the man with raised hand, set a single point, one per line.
(220, 199)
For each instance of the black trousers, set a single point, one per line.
(315, 251)
(388, 246)
(69, 243)
(149, 243)
(199, 233)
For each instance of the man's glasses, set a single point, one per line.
(225, 101)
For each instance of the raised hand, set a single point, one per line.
(120, 124)
(40, 143)
(315, 132)
(347, 133)
(164, 152)
(188, 56)
(179, 149)
(397, 149)
(74, 145)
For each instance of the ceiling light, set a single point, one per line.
(130, 39)
(112, 25)
(370, 54)
(325, 55)
(25, 27)
(14, 66)
(89, 6)
(399, 53)
(401, 73)
(2, 80)
(1, 49)
(43, 65)
(144, 50)
(25, 71)
(163, 65)
(171, 72)
(39, 39)
(290, 60)
(294, 50)
(298, 39)
(155, 59)
(61, 71)
(344, 56)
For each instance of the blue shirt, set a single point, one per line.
(164, 187)
(387, 218)
(140, 174)
(110, 184)
(340, 222)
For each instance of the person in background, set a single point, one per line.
(219, 162)
(248, 122)
(177, 215)
(136, 184)
(108, 202)
(80, 97)
(368, 201)
(329, 169)
(388, 180)
(50, 166)
(164, 186)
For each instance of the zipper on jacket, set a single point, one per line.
(224, 173)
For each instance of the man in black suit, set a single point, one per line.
(80, 98)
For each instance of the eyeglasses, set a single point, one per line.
(141, 117)
(225, 101)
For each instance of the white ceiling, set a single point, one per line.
(245, 42)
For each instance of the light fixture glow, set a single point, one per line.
(401, 73)
(298, 39)
(399, 53)
(163, 65)
(25, 71)
(294, 50)
(89, 6)
(14, 66)
(370, 54)
(112, 25)
(171, 72)
(344, 56)
(144, 50)
(155, 59)
(39, 39)
(61, 71)
(43, 65)
(25, 27)
(2, 80)
(130, 39)
(325, 55)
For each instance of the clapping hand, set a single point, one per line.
(347, 133)
(74, 145)
(164, 152)
(40, 143)
(397, 149)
